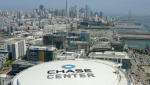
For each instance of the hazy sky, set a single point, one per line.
(115, 6)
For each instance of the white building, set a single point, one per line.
(73, 72)
(118, 57)
(15, 47)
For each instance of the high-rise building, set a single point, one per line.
(101, 14)
(71, 14)
(15, 47)
(36, 10)
(41, 53)
(84, 13)
(49, 10)
(9, 30)
(72, 8)
(34, 13)
(107, 18)
(82, 10)
(91, 13)
(67, 8)
(41, 8)
(77, 13)
(19, 14)
(75, 7)
(63, 12)
(88, 12)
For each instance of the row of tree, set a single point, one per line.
(137, 50)
(125, 50)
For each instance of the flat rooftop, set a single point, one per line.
(11, 40)
(101, 46)
(41, 48)
(89, 72)
(109, 54)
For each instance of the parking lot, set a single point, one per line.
(142, 60)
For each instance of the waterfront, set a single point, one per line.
(144, 20)
(131, 29)
(140, 43)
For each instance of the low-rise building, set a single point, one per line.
(57, 40)
(102, 48)
(83, 36)
(41, 53)
(77, 45)
(117, 46)
(103, 39)
(119, 57)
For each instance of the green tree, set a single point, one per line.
(89, 46)
(135, 55)
(125, 50)
(130, 64)
(142, 52)
(7, 59)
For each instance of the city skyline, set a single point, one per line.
(105, 6)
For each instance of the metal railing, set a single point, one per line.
(126, 76)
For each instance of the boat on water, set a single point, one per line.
(147, 49)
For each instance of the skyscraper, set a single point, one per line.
(107, 18)
(88, 12)
(41, 8)
(101, 14)
(77, 13)
(82, 10)
(9, 30)
(67, 8)
(34, 13)
(19, 13)
(84, 13)
(75, 7)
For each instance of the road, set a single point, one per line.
(139, 75)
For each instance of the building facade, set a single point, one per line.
(67, 8)
(77, 45)
(118, 57)
(41, 53)
(117, 46)
(57, 40)
(15, 47)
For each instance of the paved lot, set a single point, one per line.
(139, 75)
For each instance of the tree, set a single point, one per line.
(142, 51)
(113, 25)
(89, 46)
(135, 55)
(130, 64)
(125, 50)
(7, 59)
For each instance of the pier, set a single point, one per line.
(147, 49)
(135, 37)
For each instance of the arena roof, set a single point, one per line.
(69, 72)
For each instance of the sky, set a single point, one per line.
(107, 6)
